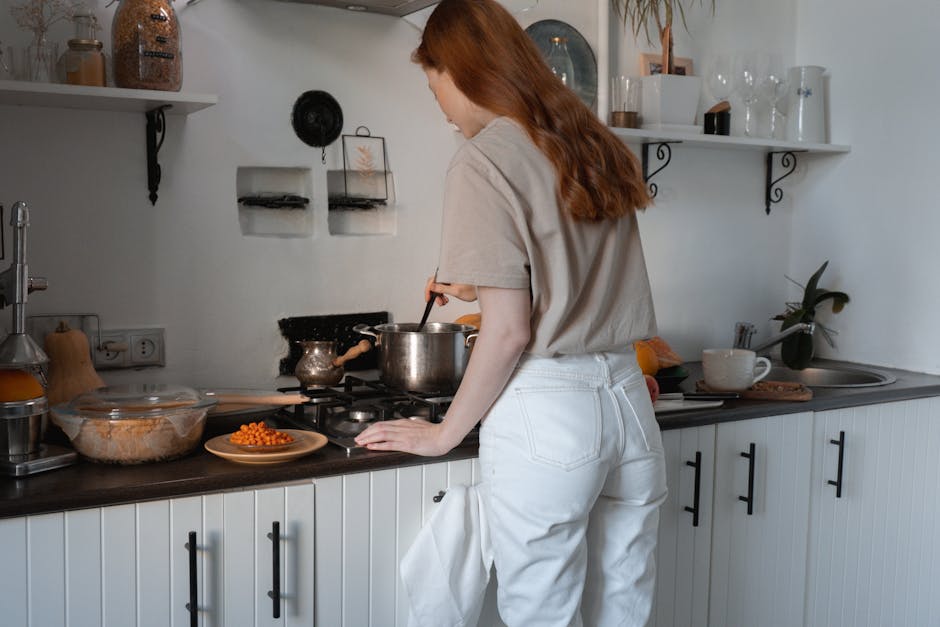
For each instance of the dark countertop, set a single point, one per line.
(908, 385)
(94, 485)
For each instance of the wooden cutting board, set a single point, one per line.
(769, 391)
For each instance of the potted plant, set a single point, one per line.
(667, 97)
(797, 350)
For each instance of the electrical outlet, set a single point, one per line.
(147, 348)
(129, 348)
(111, 351)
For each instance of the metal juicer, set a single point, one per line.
(22, 422)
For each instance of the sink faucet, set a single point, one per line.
(744, 330)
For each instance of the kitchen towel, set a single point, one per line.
(447, 568)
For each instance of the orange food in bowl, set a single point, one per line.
(259, 434)
(646, 357)
(19, 385)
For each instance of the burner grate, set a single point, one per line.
(342, 412)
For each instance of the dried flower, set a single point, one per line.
(38, 15)
(365, 163)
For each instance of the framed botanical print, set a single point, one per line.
(364, 165)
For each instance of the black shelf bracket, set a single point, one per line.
(156, 129)
(772, 193)
(664, 155)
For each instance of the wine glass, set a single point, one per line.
(772, 89)
(750, 70)
(720, 78)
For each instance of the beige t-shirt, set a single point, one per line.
(503, 228)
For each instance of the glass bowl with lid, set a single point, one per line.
(134, 423)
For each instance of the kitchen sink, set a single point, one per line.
(827, 376)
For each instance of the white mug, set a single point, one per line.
(732, 369)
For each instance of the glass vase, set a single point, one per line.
(41, 57)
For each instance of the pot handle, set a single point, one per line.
(473, 336)
(365, 329)
(364, 346)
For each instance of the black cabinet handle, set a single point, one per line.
(697, 465)
(749, 499)
(275, 594)
(438, 497)
(192, 606)
(838, 482)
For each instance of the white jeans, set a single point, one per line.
(572, 479)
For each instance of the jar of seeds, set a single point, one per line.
(145, 45)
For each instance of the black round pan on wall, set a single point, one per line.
(317, 119)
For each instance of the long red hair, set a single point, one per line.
(498, 66)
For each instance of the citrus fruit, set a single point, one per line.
(18, 385)
(646, 357)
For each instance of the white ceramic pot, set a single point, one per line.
(806, 111)
(669, 99)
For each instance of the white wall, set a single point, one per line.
(874, 212)
(714, 257)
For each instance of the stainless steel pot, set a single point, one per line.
(432, 360)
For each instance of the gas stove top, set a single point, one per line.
(342, 412)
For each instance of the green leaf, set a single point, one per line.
(795, 317)
(810, 291)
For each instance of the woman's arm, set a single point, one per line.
(503, 337)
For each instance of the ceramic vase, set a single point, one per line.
(669, 100)
(806, 111)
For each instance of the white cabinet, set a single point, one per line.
(365, 523)
(874, 556)
(130, 564)
(683, 552)
(268, 555)
(758, 559)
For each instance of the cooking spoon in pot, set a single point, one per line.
(427, 308)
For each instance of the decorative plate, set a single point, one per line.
(305, 442)
(582, 57)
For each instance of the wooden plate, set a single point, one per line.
(770, 391)
(306, 442)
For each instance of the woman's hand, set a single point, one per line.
(457, 290)
(418, 437)
(653, 386)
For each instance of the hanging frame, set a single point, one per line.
(365, 166)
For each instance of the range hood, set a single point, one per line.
(398, 8)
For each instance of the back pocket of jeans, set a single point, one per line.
(563, 424)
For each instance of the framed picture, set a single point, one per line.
(364, 165)
(652, 63)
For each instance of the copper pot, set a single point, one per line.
(319, 365)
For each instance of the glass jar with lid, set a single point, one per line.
(83, 63)
(145, 45)
(559, 61)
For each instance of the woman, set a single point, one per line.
(540, 226)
